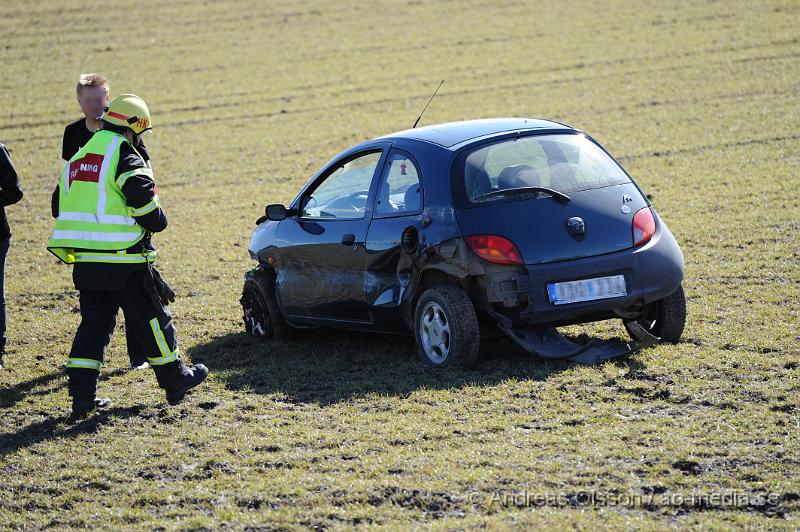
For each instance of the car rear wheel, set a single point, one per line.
(261, 314)
(446, 328)
(664, 318)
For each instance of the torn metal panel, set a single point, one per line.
(551, 344)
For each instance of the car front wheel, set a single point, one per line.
(262, 317)
(446, 328)
(664, 318)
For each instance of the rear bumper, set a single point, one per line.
(651, 272)
(549, 343)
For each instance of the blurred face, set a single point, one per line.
(92, 101)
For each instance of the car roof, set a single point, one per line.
(452, 134)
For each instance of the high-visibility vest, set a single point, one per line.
(93, 217)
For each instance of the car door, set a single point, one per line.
(321, 263)
(397, 210)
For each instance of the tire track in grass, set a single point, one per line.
(390, 79)
(584, 65)
(477, 90)
(59, 20)
(698, 149)
(381, 100)
(694, 101)
(599, 111)
(233, 20)
(471, 69)
(579, 66)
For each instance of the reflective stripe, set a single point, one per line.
(86, 363)
(164, 360)
(166, 356)
(150, 207)
(124, 258)
(101, 183)
(147, 172)
(97, 236)
(65, 184)
(96, 218)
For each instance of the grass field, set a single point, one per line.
(699, 100)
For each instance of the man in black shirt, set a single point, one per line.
(10, 193)
(93, 92)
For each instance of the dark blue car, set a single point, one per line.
(462, 230)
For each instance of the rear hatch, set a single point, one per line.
(501, 188)
(540, 226)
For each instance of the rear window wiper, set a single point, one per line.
(555, 194)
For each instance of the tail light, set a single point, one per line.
(644, 226)
(494, 249)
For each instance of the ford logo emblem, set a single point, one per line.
(576, 226)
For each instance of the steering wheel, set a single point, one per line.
(357, 200)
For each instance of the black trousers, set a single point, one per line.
(136, 353)
(151, 324)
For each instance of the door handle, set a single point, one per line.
(349, 239)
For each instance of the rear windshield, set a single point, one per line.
(566, 163)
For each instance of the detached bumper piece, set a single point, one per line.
(551, 344)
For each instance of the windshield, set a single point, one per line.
(564, 163)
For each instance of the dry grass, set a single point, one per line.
(699, 101)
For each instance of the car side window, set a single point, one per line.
(400, 190)
(343, 193)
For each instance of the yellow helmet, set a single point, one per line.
(130, 111)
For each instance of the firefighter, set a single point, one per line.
(106, 208)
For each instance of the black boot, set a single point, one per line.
(83, 408)
(177, 378)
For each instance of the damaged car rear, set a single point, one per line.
(455, 231)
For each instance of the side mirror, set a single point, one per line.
(276, 212)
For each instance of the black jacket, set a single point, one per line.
(10, 193)
(138, 190)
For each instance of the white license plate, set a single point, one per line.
(587, 289)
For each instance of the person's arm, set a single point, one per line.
(10, 193)
(141, 195)
(66, 148)
(76, 136)
(142, 149)
(54, 203)
(137, 184)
